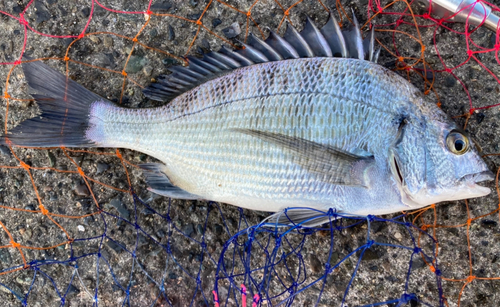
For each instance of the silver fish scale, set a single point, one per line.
(346, 103)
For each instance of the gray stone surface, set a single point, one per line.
(146, 259)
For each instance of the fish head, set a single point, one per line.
(434, 161)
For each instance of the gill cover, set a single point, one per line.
(408, 160)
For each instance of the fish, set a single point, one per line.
(308, 120)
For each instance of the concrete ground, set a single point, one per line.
(174, 256)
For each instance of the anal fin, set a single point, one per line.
(305, 217)
(160, 184)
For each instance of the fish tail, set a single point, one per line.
(65, 106)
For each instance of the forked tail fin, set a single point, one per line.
(65, 107)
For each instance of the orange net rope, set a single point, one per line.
(77, 225)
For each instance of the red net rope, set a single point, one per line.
(425, 49)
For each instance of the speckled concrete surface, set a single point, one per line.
(142, 265)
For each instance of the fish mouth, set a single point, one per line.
(472, 181)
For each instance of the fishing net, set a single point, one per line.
(79, 228)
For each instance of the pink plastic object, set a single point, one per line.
(255, 300)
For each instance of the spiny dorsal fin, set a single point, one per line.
(263, 47)
(283, 47)
(297, 41)
(315, 39)
(329, 41)
(333, 35)
(354, 42)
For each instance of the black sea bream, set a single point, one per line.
(280, 123)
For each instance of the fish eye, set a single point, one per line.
(457, 143)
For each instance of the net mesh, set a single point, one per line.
(80, 229)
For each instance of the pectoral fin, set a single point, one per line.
(328, 163)
(160, 184)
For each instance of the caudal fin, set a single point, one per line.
(65, 107)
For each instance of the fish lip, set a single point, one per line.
(478, 177)
(472, 180)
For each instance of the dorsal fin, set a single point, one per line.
(353, 40)
(315, 39)
(333, 35)
(263, 47)
(329, 41)
(281, 46)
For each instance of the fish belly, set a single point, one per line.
(346, 103)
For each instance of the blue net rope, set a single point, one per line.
(149, 251)
(278, 246)
(272, 262)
